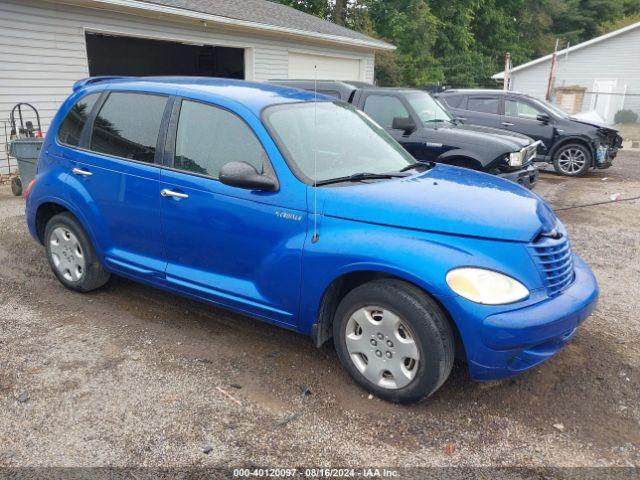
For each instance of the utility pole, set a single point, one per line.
(553, 66)
(506, 85)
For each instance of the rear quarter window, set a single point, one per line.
(128, 126)
(71, 127)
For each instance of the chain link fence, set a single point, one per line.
(614, 106)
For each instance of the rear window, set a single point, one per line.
(483, 104)
(454, 101)
(72, 125)
(128, 126)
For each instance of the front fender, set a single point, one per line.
(420, 258)
(564, 139)
(463, 153)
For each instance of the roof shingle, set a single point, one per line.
(269, 13)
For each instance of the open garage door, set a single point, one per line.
(329, 68)
(120, 55)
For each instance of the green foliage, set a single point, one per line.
(625, 116)
(463, 42)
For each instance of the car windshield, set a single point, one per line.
(345, 141)
(427, 108)
(554, 109)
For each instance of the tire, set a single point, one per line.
(572, 160)
(415, 316)
(16, 186)
(72, 256)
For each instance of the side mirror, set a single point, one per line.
(544, 118)
(403, 123)
(243, 175)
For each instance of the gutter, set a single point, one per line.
(230, 22)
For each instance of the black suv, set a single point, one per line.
(427, 131)
(572, 145)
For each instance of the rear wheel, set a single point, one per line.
(71, 255)
(394, 340)
(572, 160)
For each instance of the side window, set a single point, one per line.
(72, 125)
(384, 108)
(483, 104)
(209, 137)
(128, 126)
(518, 108)
(454, 101)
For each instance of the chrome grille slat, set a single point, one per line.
(554, 260)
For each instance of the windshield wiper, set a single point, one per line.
(358, 177)
(436, 120)
(417, 165)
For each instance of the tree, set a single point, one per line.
(463, 42)
(340, 12)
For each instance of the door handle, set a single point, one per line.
(81, 172)
(165, 192)
(507, 124)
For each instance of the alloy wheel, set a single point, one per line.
(572, 161)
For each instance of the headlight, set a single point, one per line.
(485, 286)
(515, 159)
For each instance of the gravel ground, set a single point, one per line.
(132, 376)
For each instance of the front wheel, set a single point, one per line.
(572, 160)
(394, 340)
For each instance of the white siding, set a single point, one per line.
(42, 49)
(614, 58)
(324, 67)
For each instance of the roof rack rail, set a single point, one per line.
(91, 80)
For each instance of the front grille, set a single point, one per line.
(554, 260)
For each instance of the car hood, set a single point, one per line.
(445, 199)
(607, 129)
(472, 134)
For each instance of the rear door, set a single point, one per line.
(484, 109)
(520, 115)
(236, 247)
(116, 178)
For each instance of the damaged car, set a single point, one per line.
(573, 146)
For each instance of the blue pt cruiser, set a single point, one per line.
(300, 210)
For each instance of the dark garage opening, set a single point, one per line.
(117, 55)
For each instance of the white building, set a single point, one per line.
(46, 45)
(601, 74)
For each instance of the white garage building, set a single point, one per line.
(46, 45)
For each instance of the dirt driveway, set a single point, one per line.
(131, 376)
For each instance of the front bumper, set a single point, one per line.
(527, 176)
(509, 342)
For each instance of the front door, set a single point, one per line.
(117, 175)
(235, 247)
(521, 116)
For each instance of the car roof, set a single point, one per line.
(252, 95)
(493, 91)
(342, 85)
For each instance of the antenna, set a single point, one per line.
(315, 236)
